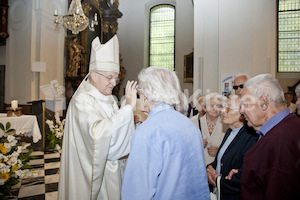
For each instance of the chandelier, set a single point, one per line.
(75, 20)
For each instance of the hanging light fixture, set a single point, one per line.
(75, 20)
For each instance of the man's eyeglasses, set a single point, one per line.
(235, 87)
(228, 109)
(110, 77)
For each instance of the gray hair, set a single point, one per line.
(216, 97)
(297, 90)
(265, 84)
(161, 85)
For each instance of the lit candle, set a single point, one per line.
(95, 16)
(14, 104)
(55, 12)
(77, 10)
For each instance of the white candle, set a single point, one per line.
(14, 104)
(95, 16)
(55, 12)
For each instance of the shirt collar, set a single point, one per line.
(236, 130)
(160, 107)
(273, 121)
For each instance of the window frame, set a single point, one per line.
(149, 31)
(277, 45)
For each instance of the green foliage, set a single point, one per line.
(7, 153)
(7, 129)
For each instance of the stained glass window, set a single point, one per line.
(289, 36)
(162, 36)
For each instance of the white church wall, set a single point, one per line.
(134, 36)
(18, 74)
(234, 36)
(32, 38)
(52, 44)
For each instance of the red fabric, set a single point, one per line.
(271, 168)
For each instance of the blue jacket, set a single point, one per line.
(166, 161)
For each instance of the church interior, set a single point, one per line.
(42, 62)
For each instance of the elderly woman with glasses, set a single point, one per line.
(211, 125)
(238, 139)
(166, 160)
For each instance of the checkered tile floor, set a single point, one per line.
(45, 185)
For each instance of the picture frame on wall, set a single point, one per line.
(189, 68)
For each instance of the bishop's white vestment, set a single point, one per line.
(97, 134)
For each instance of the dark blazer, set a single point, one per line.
(233, 159)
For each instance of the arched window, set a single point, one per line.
(289, 36)
(162, 36)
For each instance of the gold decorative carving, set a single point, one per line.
(114, 29)
(76, 56)
(105, 28)
(4, 17)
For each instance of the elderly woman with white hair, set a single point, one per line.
(211, 125)
(166, 159)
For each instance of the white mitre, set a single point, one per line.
(105, 57)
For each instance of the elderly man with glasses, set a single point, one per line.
(97, 133)
(271, 168)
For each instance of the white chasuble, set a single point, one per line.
(97, 133)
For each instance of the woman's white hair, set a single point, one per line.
(161, 85)
(265, 84)
(218, 98)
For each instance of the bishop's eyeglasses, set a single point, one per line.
(110, 77)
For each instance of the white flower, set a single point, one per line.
(49, 122)
(2, 181)
(5, 158)
(5, 168)
(59, 134)
(2, 165)
(12, 161)
(20, 148)
(57, 119)
(24, 173)
(10, 138)
(14, 143)
(7, 146)
(25, 146)
(20, 173)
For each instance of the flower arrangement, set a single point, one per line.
(55, 131)
(13, 162)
